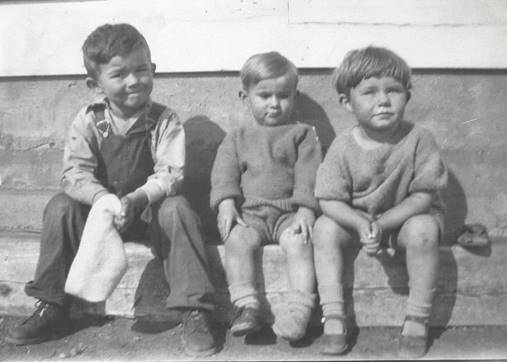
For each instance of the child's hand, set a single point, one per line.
(368, 237)
(374, 238)
(131, 205)
(303, 223)
(123, 220)
(227, 216)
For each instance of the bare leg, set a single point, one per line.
(240, 249)
(292, 322)
(329, 240)
(420, 236)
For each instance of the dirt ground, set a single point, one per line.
(105, 338)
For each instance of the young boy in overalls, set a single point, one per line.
(134, 148)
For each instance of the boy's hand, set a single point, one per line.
(126, 216)
(303, 223)
(374, 238)
(227, 216)
(368, 236)
(131, 205)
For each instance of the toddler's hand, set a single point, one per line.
(374, 238)
(227, 216)
(367, 237)
(303, 223)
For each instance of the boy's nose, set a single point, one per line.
(382, 98)
(132, 79)
(274, 101)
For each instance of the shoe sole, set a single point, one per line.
(335, 353)
(192, 353)
(240, 331)
(35, 340)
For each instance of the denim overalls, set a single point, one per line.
(124, 164)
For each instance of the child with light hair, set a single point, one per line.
(379, 187)
(262, 187)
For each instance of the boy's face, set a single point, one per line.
(377, 103)
(127, 81)
(271, 101)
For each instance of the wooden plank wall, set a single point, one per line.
(44, 38)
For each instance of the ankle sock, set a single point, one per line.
(243, 295)
(418, 304)
(291, 323)
(331, 300)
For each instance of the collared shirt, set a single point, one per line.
(84, 141)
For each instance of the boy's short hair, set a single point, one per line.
(108, 41)
(370, 62)
(265, 66)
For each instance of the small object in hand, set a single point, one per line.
(474, 236)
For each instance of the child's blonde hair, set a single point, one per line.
(370, 62)
(265, 66)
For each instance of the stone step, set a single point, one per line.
(472, 288)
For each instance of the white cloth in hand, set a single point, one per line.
(100, 262)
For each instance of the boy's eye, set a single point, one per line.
(395, 90)
(264, 95)
(367, 92)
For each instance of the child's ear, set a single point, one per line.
(242, 94)
(153, 67)
(93, 84)
(344, 101)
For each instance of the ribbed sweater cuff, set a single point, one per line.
(305, 199)
(217, 196)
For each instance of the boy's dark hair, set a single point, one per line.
(370, 62)
(108, 41)
(265, 66)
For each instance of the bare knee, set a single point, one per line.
(294, 244)
(242, 240)
(327, 233)
(420, 233)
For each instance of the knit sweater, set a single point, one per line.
(273, 166)
(376, 180)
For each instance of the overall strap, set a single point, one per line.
(156, 111)
(102, 125)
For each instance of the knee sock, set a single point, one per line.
(244, 295)
(419, 304)
(291, 323)
(331, 300)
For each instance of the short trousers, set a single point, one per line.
(268, 221)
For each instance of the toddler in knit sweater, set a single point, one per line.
(378, 187)
(263, 190)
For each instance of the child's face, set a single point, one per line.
(377, 103)
(271, 101)
(127, 81)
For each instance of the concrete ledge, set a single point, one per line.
(472, 289)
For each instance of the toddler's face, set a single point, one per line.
(127, 81)
(271, 101)
(378, 103)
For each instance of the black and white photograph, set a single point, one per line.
(253, 180)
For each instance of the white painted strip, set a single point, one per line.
(191, 36)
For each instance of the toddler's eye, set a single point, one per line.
(395, 90)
